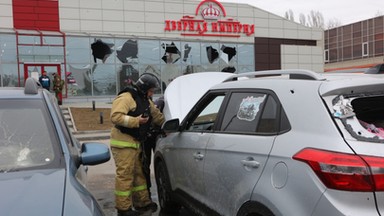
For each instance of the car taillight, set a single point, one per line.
(342, 171)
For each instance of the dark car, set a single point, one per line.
(377, 69)
(42, 165)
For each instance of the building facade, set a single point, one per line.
(99, 46)
(358, 45)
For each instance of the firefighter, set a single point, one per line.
(132, 113)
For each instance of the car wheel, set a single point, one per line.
(164, 190)
(254, 209)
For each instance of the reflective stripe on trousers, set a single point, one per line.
(124, 144)
(129, 193)
(130, 184)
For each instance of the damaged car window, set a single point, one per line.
(362, 116)
(243, 112)
(25, 139)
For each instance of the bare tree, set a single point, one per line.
(302, 19)
(289, 15)
(379, 13)
(333, 23)
(316, 19)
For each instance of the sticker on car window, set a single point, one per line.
(343, 108)
(249, 107)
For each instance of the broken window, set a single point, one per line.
(363, 117)
(128, 51)
(191, 57)
(227, 53)
(243, 112)
(171, 53)
(229, 69)
(212, 54)
(101, 50)
(27, 143)
(187, 50)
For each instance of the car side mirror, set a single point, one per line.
(171, 126)
(94, 153)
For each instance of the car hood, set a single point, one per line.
(32, 192)
(184, 91)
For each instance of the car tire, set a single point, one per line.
(254, 209)
(164, 190)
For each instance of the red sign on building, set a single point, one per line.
(213, 23)
(42, 15)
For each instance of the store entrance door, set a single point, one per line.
(35, 69)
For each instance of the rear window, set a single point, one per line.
(27, 138)
(362, 116)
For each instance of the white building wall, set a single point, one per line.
(6, 17)
(146, 18)
(303, 57)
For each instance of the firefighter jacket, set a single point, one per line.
(125, 114)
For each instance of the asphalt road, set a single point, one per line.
(101, 183)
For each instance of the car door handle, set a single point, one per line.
(250, 163)
(198, 156)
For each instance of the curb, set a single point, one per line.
(91, 132)
(92, 135)
(73, 122)
(93, 138)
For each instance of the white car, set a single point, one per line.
(286, 142)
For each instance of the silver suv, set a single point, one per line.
(288, 142)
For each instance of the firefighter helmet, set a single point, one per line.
(147, 81)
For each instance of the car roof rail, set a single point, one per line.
(31, 86)
(293, 74)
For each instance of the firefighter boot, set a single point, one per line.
(129, 212)
(150, 207)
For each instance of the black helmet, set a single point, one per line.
(147, 81)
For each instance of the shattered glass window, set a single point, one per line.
(127, 51)
(243, 112)
(210, 53)
(171, 52)
(102, 49)
(191, 57)
(25, 138)
(362, 116)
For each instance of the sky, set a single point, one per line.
(345, 11)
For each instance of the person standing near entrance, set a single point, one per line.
(58, 85)
(45, 81)
(132, 113)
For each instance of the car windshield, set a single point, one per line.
(26, 138)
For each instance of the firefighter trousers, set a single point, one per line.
(130, 184)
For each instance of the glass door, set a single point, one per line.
(35, 70)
